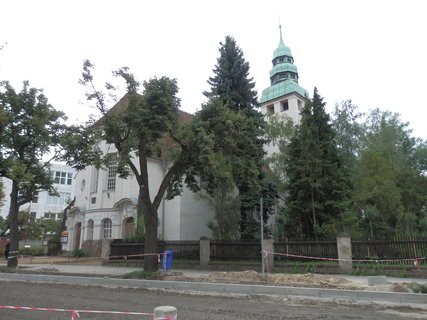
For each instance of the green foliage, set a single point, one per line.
(31, 130)
(38, 228)
(4, 225)
(223, 200)
(231, 82)
(391, 181)
(279, 131)
(318, 184)
(78, 253)
(234, 88)
(347, 124)
(418, 288)
(2, 194)
(147, 126)
(32, 251)
(139, 235)
(152, 275)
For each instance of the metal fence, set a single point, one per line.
(250, 250)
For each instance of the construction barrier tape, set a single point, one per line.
(415, 260)
(76, 313)
(124, 257)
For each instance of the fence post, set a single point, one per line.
(165, 313)
(268, 245)
(205, 251)
(105, 249)
(344, 251)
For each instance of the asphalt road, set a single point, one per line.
(190, 307)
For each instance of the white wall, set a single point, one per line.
(41, 206)
(295, 104)
(195, 215)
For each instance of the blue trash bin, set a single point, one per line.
(167, 260)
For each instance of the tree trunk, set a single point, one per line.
(150, 222)
(313, 211)
(12, 261)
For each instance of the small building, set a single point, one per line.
(44, 205)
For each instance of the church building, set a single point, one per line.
(105, 206)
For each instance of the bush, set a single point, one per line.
(418, 288)
(78, 253)
(32, 251)
(156, 275)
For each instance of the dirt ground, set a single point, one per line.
(250, 277)
(190, 306)
(294, 280)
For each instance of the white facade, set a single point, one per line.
(106, 207)
(289, 106)
(46, 206)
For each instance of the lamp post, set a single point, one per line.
(262, 234)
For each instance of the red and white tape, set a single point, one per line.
(75, 313)
(416, 261)
(124, 257)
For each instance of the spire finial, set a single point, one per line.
(281, 38)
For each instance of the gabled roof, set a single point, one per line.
(166, 142)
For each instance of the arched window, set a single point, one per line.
(107, 228)
(89, 233)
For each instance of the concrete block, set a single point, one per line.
(377, 280)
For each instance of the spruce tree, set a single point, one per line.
(232, 84)
(318, 185)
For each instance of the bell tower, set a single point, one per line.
(284, 96)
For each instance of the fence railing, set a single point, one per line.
(181, 249)
(235, 250)
(390, 249)
(250, 250)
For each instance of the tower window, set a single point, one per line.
(284, 105)
(270, 108)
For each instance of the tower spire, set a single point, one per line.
(281, 38)
(284, 74)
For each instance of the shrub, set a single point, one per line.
(32, 251)
(156, 275)
(78, 253)
(418, 288)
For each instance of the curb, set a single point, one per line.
(225, 288)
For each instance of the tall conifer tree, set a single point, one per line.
(318, 185)
(232, 84)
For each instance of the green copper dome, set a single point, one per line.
(281, 50)
(283, 75)
(281, 89)
(282, 67)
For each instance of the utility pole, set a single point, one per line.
(262, 235)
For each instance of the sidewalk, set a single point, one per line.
(96, 269)
(109, 276)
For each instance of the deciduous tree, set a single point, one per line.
(33, 134)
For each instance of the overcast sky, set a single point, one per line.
(373, 52)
